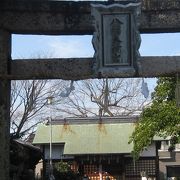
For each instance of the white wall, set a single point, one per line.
(151, 151)
(57, 152)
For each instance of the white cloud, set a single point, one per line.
(72, 46)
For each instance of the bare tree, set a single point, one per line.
(28, 104)
(104, 97)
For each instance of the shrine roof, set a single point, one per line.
(97, 138)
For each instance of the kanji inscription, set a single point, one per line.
(116, 39)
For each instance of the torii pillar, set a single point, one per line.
(5, 52)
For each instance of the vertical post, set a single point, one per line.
(100, 172)
(50, 155)
(123, 168)
(157, 161)
(51, 176)
(5, 53)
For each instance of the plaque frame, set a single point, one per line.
(116, 39)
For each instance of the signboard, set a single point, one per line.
(116, 39)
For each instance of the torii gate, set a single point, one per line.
(68, 18)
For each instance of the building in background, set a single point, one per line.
(169, 160)
(96, 147)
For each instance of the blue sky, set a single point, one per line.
(26, 46)
(29, 46)
(54, 46)
(166, 44)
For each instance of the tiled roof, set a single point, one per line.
(98, 138)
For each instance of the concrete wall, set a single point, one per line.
(150, 152)
(174, 159)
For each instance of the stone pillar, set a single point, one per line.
(5, 50)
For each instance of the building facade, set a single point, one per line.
(169, 161)
(97, 148)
